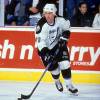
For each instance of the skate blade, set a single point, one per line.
(74, 94)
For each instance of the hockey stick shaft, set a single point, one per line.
(28, 96)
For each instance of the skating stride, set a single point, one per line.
(52, 39)
(52, 35)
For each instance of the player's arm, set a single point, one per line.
(41, 43)
(41, 38)
(66, 31)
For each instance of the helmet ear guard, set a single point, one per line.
(50, 8)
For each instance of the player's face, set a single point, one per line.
(49, 17)
(83, 8)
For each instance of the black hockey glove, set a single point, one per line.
(64, 38)
(45, 53)
(48, 58)
(62, 43)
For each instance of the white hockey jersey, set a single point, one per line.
(50, 34)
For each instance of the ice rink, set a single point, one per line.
(47, 91)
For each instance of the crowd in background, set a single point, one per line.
(81, 13)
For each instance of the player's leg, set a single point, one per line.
(66, 73)
(56, 74)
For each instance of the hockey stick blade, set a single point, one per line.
(25, 96)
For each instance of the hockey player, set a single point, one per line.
(53, 35)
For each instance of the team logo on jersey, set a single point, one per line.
(53, 34)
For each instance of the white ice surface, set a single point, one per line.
(47, 91)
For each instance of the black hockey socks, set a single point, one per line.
(66, 73)
(55, 76)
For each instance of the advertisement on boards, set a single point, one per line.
(17, 50)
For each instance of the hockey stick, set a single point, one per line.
(29, 95)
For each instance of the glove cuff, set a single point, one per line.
(64, 39)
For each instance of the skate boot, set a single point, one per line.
(72, 89)
(59, 85)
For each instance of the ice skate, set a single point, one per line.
(72, 89)
(59, 85)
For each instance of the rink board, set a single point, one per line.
(77, 76)
(19, 60)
